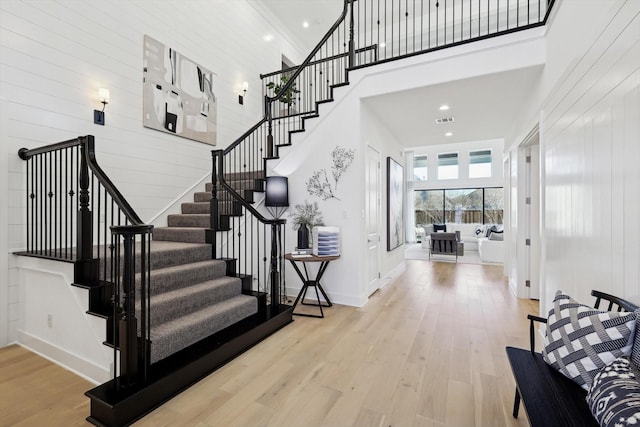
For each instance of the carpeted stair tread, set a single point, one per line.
(168, 254)
(170, 337)
(234, 176)
(196, 208)
(200, 197)
(181, 276)
(170, 305)
(244, 184)
(180, 234)
(189, 220)
(165, 254)
(206, 197)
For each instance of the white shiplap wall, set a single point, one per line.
(55, 54)
(591, 146)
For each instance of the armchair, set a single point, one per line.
(445, 244)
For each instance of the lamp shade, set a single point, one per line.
(277, 191)
(103, 95)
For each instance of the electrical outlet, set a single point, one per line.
(50, 320)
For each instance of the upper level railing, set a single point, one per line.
(385, 30)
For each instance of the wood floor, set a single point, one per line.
(427, 350)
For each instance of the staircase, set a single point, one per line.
(201, 311)
(199, 285)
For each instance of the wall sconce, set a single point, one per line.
(276, 195)
(103, 96)
(245, 86)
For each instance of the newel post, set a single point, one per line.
(128, 322)
(351, 40)
(214, 222)
(274, 273)
(269, 113)
(86, 270)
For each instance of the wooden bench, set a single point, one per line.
(551, 399)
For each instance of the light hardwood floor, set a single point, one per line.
(426, 350)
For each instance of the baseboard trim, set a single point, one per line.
(84, 368)
(392, 275)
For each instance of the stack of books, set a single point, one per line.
(326, 241)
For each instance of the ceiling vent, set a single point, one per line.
(444, 120)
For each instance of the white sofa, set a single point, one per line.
(491, 250)
(467, 234)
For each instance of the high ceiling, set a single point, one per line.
(319, 14)
(483, 107)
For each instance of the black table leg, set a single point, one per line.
(306, 283)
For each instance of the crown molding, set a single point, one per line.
(279, 26)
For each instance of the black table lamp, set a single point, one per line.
(276, 195)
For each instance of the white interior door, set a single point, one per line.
(372, 218)
(533, 192)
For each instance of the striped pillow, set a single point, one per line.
(581, 340)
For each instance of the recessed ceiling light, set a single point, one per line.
(444, 107)
(305, 24)
(448, 134)
(268, 37)
(382, 44)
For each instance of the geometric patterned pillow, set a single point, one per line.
(581, 340)
(635, 351)
(614, 397)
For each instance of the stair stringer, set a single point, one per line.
(75, 338)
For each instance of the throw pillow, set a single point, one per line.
(491, 230)
(497, 235)
(581, 340)
(635, 351)
(614, 396)
(440, 227)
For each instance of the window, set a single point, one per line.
(461, 206)
(420, 168)
(493, 205)
(429, 207)
(480, 164)
(448, 166)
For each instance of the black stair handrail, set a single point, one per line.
(395, 37)
(309, 58)
(88, 141)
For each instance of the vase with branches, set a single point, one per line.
(306, 216)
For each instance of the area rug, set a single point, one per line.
(416, 251)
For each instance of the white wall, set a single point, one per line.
(345, 279)
(55, 54)
(589, 135)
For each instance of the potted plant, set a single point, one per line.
(288, 97)
(306, 216)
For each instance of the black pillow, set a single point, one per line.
(439, 227)
(493, 229)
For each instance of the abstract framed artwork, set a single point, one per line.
(395, 205)
(178, 95)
